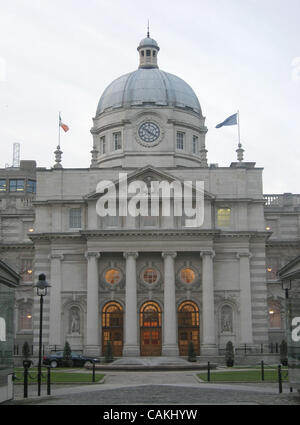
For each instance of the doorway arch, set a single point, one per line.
(112, 328)
(150, 327)
(188, 327)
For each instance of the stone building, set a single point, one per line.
(151, 284)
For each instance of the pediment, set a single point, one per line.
(148, 174)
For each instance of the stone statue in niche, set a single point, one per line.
(74, 321)
(226, 319)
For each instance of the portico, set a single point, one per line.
(164, 309)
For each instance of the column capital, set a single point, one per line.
(243, 254)
(89, 255)
(56, 257)
(172, 254)
(208, 252)
(130, 254)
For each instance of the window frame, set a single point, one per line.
(3, 185)
(195, 144)
(220, 221)
(180, 143)
(117, 142)
(16, 185)
(73, 225)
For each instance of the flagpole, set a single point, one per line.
(239, 130)
(59, 119)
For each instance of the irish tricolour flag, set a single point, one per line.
(62, 125)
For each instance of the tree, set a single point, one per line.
(67, 356)
(26, 350)
(108, 353)
(191, 352)
(283, 353)
(229, 354)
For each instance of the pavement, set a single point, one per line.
(157, 388)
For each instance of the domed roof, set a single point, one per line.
(148, 42)
(148, 86)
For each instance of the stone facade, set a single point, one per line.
(150, 285)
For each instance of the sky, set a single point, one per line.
(60, 55)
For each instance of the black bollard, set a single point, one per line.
(279, 379)
(208, 372)
(94, 368)
(48, 380)
(262, 371)
(25, 381)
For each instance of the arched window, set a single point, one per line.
(274, 315)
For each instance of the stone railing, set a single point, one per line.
(283, 200)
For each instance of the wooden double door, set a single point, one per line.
(112, 328)
(188, 328)
(150, 328)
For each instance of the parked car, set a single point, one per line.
(56, 359)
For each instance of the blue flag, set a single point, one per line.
(232, 120)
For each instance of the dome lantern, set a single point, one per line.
(148, 50)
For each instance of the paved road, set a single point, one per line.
(152, 388)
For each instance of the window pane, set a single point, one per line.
(117, 141)
(2, 185)
(180, 140)
(16, 185)
(31, 186)
(195, 144)
(26, 270)
(223, 217)
(75, 218)
(112, 276)
(103, 145)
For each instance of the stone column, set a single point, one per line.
(245, 298)
(55, 338)
(92, 316)
(208, 345)
(170, 343)
(131, 347)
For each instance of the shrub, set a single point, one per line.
(26, 350)
(283, 353)
(229, 354)
(67, 357)
(108, 353)
(191, 352)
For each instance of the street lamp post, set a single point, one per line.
(41, 286)
(286, 286)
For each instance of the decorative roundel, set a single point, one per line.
(149, 132)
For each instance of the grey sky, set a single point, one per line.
(235, 54)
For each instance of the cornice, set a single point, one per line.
(200, 129)
(110, 126)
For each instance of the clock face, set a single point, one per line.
(149, 132)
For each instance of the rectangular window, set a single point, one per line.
(75, 218)
(180, 140)
(195, 144)
(17, 185)
(148, 52)
(26, 270)
(112, 221)
(117, 138)
(31, 186)
(103, 145)
(223, 217)
(2, 185)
